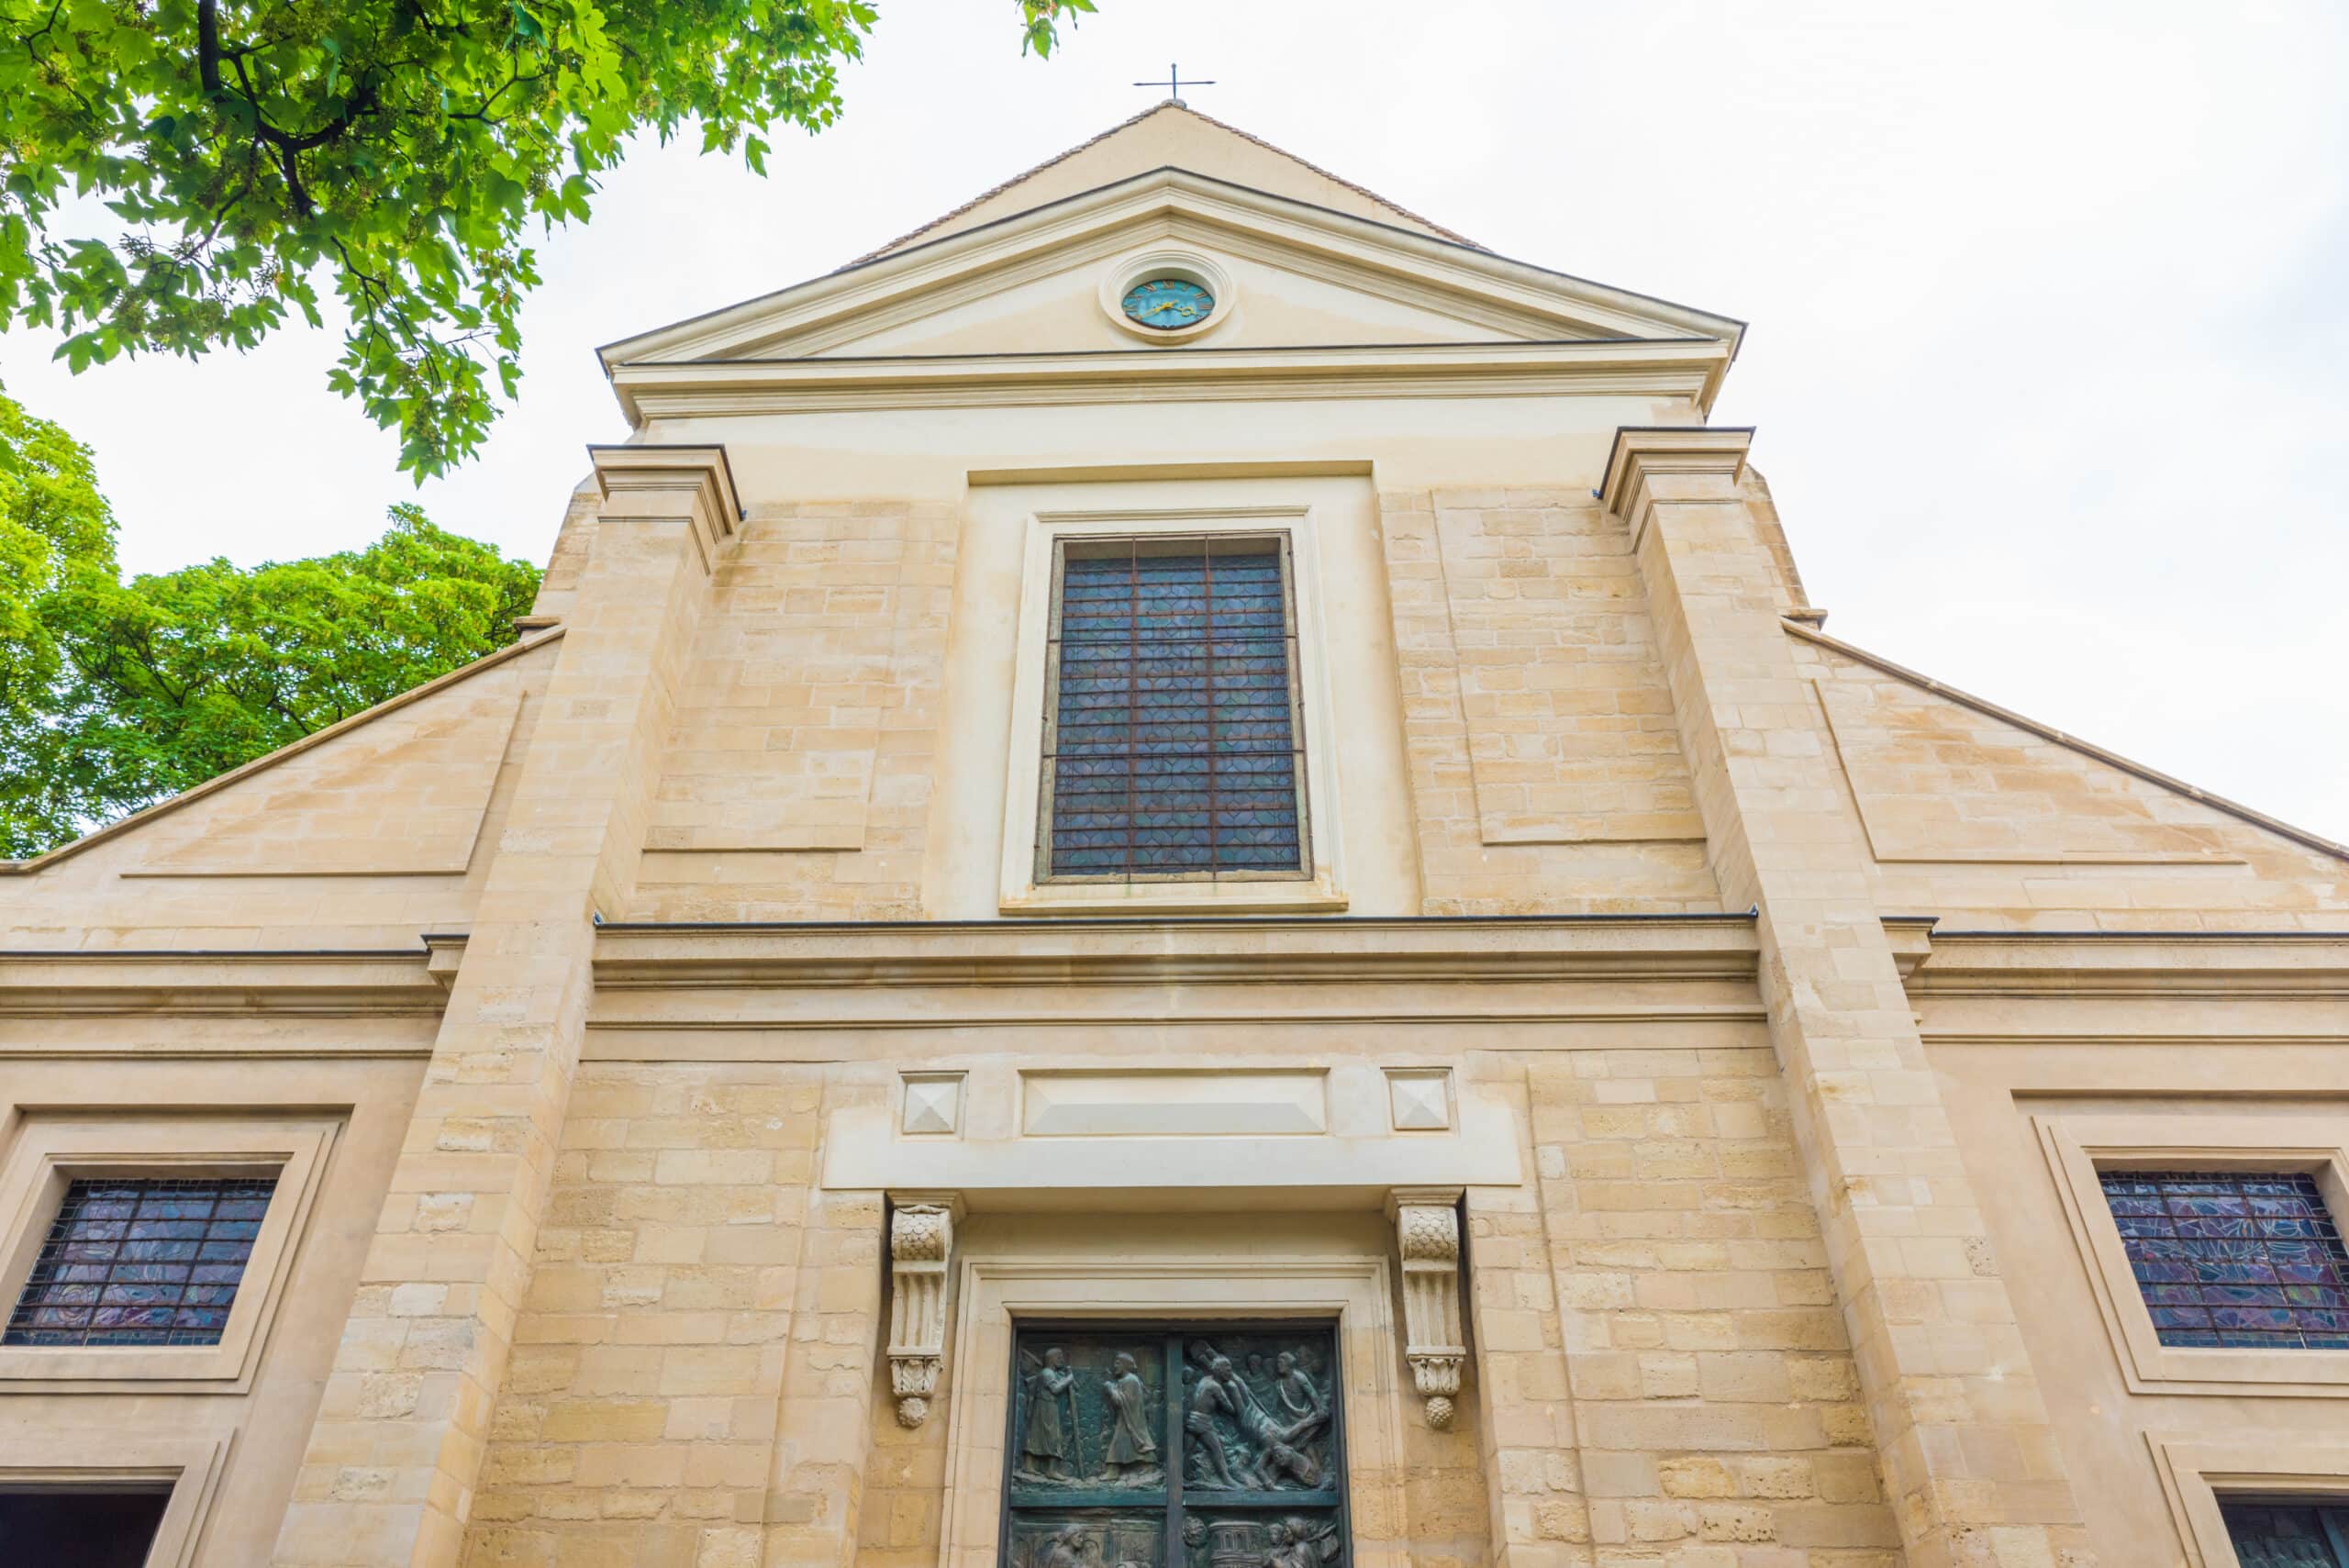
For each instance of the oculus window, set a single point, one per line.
(1172, 1447)
(1174, 747)
(2239, 1259)
(140, 1261)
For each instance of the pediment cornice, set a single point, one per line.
(1533, 306)
(1682, 367)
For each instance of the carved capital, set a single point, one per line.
(921, 1242)
(1427, 1237)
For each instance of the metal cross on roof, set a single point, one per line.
(1174, 85)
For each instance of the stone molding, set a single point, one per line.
(188, 1463)
(2080, 1146)
(324, 985)
(1642, 452)
(742, 389)
(2194, 1469)
(1275, 949)
(691, 483)
(49, 1150)
(1427, 1235)
(2169, 966)
(921, 1244)
(1171, 204)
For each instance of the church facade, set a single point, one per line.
(1175, 875)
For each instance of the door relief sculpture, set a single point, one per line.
(1205, 1447)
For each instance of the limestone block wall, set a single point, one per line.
(800, 769)
(1666, 1375)
(357, 837)
(1987, 820)
(692, 1373)
(1546, 767)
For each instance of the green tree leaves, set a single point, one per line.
(397, 153)
(113, 695)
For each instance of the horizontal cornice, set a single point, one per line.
(2170, 965)
(1674, 368)
(351, 983)
(1127, 952)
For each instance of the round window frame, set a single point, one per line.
(1190, 267)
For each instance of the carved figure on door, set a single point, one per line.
(1303, 1544)
(1133, 1455)
(1046, 1440)
(1216, 1393)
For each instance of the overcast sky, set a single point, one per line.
(2050, 305)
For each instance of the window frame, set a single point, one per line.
(54, 1147)
(1279, 545)
(2079, 1148)
(1320, 887)
(189, 1465)
(2197, 1476)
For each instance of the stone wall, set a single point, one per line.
(799, 773)
(1546, 769)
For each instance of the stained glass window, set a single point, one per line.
(1173, 745)
(138, 1260)
(1165, 1447)
(2286, 1535)
(2250, 1258)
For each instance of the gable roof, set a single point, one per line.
(1147, 142)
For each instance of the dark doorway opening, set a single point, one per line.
(86, 1527)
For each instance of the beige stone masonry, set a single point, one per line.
(393, 1459)
(1545, 769)
(1969, 1457)
(824, 647)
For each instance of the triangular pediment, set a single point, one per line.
(1171, 135)
(1306, 276)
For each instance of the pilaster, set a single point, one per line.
(1970, 1461)
(388, 1476)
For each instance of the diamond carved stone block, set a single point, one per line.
(1419, 1099)
(932, 1106)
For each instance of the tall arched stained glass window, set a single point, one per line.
(1174, 743)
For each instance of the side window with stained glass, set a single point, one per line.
(2290, 1533)
(2234, 1259)
(140, 1261)
(1174, 744)
(1158, 1446)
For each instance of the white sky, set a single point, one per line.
(2048, 306)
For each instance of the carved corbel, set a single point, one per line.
(1427, 1231)
(921, 1240)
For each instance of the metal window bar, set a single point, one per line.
(2250, 1259)
(1188, 1524)
(140, 1261)
(1173, 736)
